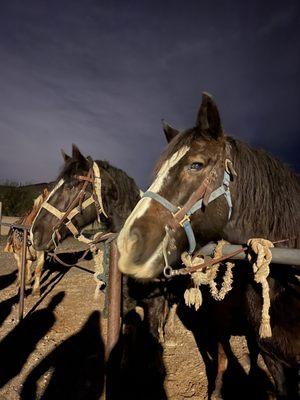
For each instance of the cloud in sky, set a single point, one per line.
(102, 74)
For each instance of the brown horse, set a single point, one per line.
(14, 245)
(262, 200)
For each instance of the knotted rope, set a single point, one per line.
(261, 269)
(193, 295)
(98, 260)
(98, 257)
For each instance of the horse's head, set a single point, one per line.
(74, 203)
(189, 174)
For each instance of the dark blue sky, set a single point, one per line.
(102, 74)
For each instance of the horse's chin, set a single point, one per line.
(145, 272)
(43, 246)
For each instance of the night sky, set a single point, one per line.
(102, 74)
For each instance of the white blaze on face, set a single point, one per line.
(139, 210)
(57, 186)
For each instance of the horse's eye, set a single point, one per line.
(196, 166)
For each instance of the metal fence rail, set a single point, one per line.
(25, 230)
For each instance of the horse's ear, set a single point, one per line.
(76, 154)
(208, 119)
(65, 156)
(169, 131)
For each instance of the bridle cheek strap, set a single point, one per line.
(185, 221)
(60, 215)
(98, 190)
(53, 210)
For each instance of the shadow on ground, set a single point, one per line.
(76, 365)
(7, 280)
(17, 345)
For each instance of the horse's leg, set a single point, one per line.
(253, 353)
(28, 273)
(169, 327)
(222, 367)
(278, 374)
(292, 376)
(18, 259)
(40, 255)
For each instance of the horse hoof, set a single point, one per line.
(271, 396)
(216, 396)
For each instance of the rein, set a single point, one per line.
(202, 196)
(102, 237)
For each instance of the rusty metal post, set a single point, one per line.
(0, 216)
(114, 301)
(22, 277)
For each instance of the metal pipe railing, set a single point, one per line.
(23, 264)
(280, 255)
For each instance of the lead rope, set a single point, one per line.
(193, 295)
(261, 269)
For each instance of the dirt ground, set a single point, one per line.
(57, 351)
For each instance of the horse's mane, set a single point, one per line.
(72, 167)
(127, 188)
(273, 188)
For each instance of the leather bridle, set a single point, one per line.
(78, 204)
(202, 196)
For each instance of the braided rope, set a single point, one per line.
(261, 268)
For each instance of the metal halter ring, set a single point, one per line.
(168, 271)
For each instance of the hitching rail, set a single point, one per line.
(23, 265)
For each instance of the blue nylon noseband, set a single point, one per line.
(185, 222)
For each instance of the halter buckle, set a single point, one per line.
(184, 219)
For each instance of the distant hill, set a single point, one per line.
(17, 199)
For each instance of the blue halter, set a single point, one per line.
(186, 222)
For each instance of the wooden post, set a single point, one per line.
(114, 301)
(22, 277)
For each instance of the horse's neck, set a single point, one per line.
(130, 194)
(122, 211)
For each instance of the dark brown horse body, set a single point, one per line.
(265, 197)
(139, 349)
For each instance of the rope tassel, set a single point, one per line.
(193, 296)
(261, 269)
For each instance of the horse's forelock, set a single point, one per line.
(183, 139)
(71, 168)
(186, 138)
